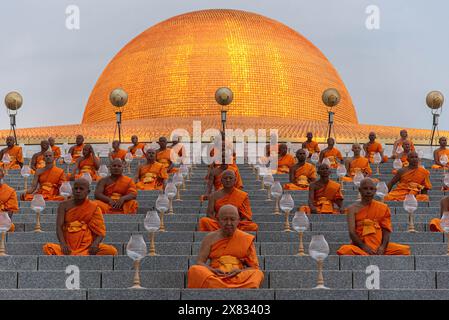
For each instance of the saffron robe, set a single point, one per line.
(303, 175)
(123, 186)
(413, 181)
(15, 156)
(49, 182)
(152, 176)
(285, 163)
(325, 198)
(8, 201)
(333, 155)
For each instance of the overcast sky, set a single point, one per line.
(388, 72)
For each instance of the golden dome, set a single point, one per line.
(173, 69)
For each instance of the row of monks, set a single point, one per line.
(233, 260)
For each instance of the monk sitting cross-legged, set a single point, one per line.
(15, 155)
(116, 193)
(357, 164)
(116, 152)
(215, 175)
(442, 150)
(324, 193)
(136, 145)
(285, 160)
(302, 173)
(372, 147)
(369, 224)
(331, 153)
(435, 224)
(400, 142)
(232, 255)
(37, 160)
(403, 155)
(46, 181)
(80, 226)
(8, 199)
(152, 175)
(164, 156)
(76, 151)
(228, 195)
(87, 163)
(412, 179)
(310, 145)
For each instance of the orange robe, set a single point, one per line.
(303, 175)
(312, 147)
(370, 221)
(412, 146)
(238, 179)
(40, 162)
(325, 198)
(333, 155)
(123, 186)
(413, 181)
(120, 154)
(439, 154)
(81, 225)
(15, 156)
(237, 198)
(164, 158)
(360, 164)
(134, 148)
(152, 176)
(285, 163)
(227, 254)
(77, 152)
(8, 201)
(56, 152)
(404, 158)
(49, 183)
(372, 148)
(87, 165)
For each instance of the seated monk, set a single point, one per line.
(441, 151)
(357, 164)
(285, 160)
(400, 142)
(8, 199)
(324, 194)
(80, 226)
(232, 255)
(116, 152)
(369, 224)
(87, 163)
(435, 224)
(37, 160)
(76, 151)
(331, 153)
(116, 193)
(136, 145)
(216, 173)
(152, 175)
(412, 179)
(310, 145)
(228, 195)
(46, 181)
(164, 156)
(372, 147)
(302, 173)
(15, 155)
(56, 150)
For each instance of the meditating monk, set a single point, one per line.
(369, 224)
(116, 152)
(80, 226)
(164, 156)
(15, 155)
(56, 150)
(400, 142)
(228, 195)
(438, 153)
(152, 175)
(232, 255)
(76, 151)
(285, 160)
(412, 179)
(357, 164)
(372, 147)
(331, 153)
(310, 145)
(8, 199)
(324, 194)
(46, 181)
(88, 162)
(435, 224)
(215, 175)
(301, 174)
(116, 193)
(37, 160)
(136, 145)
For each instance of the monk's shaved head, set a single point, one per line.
(44, 145)
(116, 167)
(228, 219)
(413, 159)
(442, 141)
(367, 181)
(367, 189)
(330, 142)
(150, 154)
(283, 149)
(356, 148)
(403, 133)
(301, 155)
(79, 139)
(81, 189)
(10, 141)
(324, 170)
(228, 179)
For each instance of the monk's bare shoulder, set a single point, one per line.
(355, 207)
(40, 171)
(212, 237)
(66, 205)
(445, 203)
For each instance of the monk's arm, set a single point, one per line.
(312, 198)
(291, 174)
(34, 184)
(385, 240)
(436, 159)
(365, 147)
(353, 234)
(321, 156)
(348, 167)
(71, 150)
(59, 228)
(394, 180)
(110, 156)
(211, 207)
(96, 161)
(203, 255)
(33, 162)
(137, 176)
(339, 203)
(444, 206)
(99, 193)
(210, 183)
